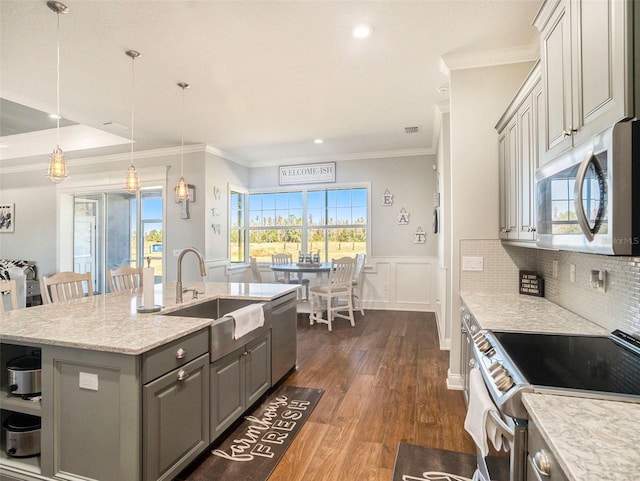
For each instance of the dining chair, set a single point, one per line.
(279, 259)
(326, 297)
(8, 288)
(283, 258)
(255, 270)
(124, 278)
(358, 279)
(65, 286)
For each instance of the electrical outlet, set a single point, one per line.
(555, 269)
(472, 263)
(572, 273)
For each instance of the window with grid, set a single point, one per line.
(331, 222)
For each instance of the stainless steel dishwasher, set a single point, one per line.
(284, 345)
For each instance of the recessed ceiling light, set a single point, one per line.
(318, 141)
(55, 116)
(362, 31)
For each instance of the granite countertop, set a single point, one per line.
(111, 323)
(517, 312)
(592, 439)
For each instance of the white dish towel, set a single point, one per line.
(247, 319)
(480, 404)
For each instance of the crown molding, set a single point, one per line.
(490, 58)
(344, 157)
(155, 153)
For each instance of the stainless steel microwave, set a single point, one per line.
(588, 198)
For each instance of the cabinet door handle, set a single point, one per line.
(541, 463)
(182, 375)
(181, 353)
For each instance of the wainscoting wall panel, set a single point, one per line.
(402, 283)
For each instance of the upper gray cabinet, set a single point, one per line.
(518, 152)
(587, 69)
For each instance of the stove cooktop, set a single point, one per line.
(585, 363)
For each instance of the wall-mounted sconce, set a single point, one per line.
(598, 279)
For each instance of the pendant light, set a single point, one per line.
(182, 189)
(132, 183)
(57, 169)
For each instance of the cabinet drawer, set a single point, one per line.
(175, 354)
(33, 288)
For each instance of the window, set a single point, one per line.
(332, 222)
(237, 232)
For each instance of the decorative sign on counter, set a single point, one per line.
(531, 284)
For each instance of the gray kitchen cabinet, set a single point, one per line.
(518, 153)
(103, 413)
(587, 54)
(175, 419)
(237, 381)
(541, 463)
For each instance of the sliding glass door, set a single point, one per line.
(106, 228)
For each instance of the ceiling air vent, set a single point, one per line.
(411, 130)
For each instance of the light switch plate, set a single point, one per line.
(88, 381)
(472, 263)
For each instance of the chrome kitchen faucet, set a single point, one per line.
(203, 270)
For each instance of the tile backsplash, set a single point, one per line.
(616, 308)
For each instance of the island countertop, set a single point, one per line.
(111, 322)
(592, 439)
(517, 312)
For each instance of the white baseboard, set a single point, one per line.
(454, 381)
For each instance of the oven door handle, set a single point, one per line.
(506, 431)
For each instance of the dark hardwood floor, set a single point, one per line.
(384, 382)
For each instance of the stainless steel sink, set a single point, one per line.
(206, 310)
(221, 335)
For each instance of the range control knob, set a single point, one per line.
(504, 383)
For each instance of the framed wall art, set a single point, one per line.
(7, 218)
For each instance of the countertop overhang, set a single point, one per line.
(111, 322)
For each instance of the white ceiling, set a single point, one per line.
(267, 77)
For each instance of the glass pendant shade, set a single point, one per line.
(182, 190)
(131, 182)
(57, 170)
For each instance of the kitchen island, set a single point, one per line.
(126, 395)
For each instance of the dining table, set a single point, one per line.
(302, 268)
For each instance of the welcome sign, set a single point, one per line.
(254, 448)
(308, 173)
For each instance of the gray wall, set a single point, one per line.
(411, 180)
(479, 97)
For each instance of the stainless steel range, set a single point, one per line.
(590, 366)
(512, 363)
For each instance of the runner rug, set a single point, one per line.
(419, 463)
(254, 448)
